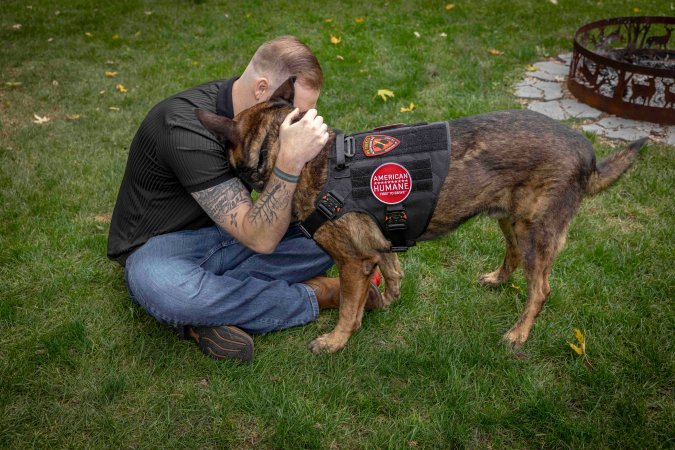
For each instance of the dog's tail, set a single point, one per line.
(611, 168)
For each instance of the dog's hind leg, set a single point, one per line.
(512, 257)
(392, 272)
(355, 276)
(539, 246)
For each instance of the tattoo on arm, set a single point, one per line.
(219, 201)
(266, 209)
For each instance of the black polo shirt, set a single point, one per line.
(171, 155)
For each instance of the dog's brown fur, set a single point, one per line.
(520, 167)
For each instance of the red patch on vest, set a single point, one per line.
(391, 183)
(379, 144)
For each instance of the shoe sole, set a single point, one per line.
(375, 300)
(226, 342)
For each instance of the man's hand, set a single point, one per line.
(300, 141)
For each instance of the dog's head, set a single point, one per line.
(253, 135)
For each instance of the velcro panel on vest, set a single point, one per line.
(422, 149)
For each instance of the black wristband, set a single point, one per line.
(285, 176)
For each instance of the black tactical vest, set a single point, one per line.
(392, 173)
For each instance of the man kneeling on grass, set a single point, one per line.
(199, 254)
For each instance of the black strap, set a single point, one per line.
(396, 223)
(340, 150)
(328, 206)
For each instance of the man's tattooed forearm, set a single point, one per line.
(266, 209)
(219, 201)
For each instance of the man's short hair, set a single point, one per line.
(288, 57)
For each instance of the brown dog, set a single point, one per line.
(520, 167)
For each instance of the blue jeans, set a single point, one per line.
(206, 278)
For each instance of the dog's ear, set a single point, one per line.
(285, 92)
(222, 128)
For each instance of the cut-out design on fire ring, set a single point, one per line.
(625, 66)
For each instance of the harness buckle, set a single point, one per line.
(350, 148)
(396, 220)
(329, 205)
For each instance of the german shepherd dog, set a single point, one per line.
(522, 168)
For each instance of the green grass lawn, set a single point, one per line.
(81, 367)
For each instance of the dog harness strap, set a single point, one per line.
(328, 206)
(396, 225)
(340, 150)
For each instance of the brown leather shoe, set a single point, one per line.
(327, 291)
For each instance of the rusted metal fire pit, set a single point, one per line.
(625, 66)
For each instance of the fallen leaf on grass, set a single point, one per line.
(408, 108)
(105, 217)
(113, 108)
(495, 52)
(340, 57)
(417, 35)
(335, 40)
(110, 73)
(385, 93)
(359, 20)
(532, 68)
(580, 349)
(581, 340)
(115, 37)
(88, 34)
(72, 117)
(40, 120)
(121, 88)
(449, 6)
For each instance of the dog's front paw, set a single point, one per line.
(515, 337)
(391, 295)
(327, 343)
(490, 279)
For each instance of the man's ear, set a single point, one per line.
(285, 92)
(222, 128)
(261, 86)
